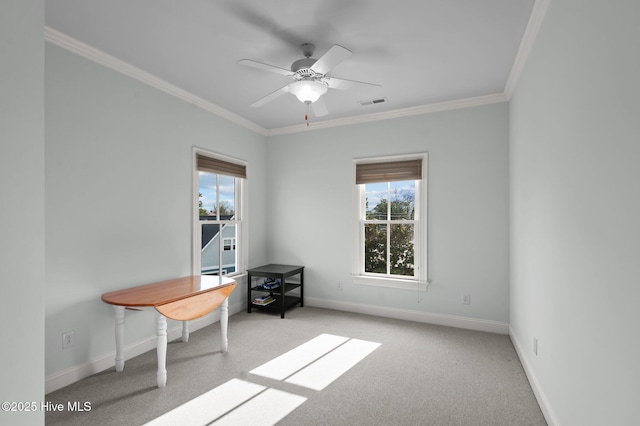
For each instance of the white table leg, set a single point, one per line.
(119, 337)
(224, 321)
(185, 331)
(161, 328)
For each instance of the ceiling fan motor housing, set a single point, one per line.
(302, 68)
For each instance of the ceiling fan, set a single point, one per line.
(310, 78)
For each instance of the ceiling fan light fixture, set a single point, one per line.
(308, 90)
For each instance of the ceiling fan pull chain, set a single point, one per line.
(306, 115)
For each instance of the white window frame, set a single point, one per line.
(241, 219)
(420, 280)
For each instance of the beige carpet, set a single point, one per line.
(420, 374)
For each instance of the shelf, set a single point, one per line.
(287, 288)
(289, 301)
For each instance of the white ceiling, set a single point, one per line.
(421, 52)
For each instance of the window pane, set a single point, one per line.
(376, 198)
(207, 195)
(229, 260)
(210, 259)
(375, 248)
(210, 255)
(403, 196)
(402, 250)
(227, 197)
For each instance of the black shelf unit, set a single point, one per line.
(284, 298)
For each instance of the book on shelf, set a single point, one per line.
(263, 300)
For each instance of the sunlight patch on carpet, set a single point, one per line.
(209, 406)
(268, 408)
(318, 362)
(323, 372)
(314, 365)
(287, 364)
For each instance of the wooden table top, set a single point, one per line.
(164, 292)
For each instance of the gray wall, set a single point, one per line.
(575, 205)
(119, 197)
(310, 209)
(22, 210)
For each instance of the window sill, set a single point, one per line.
(238, 275)
(390, 282)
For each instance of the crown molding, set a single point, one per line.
(98, 56)
(538, 13)
(398, 113)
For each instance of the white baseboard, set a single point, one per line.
(543, 402)
(78, 372)
(417, 316)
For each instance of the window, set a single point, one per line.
(391, 222)
(219, 202)
(229, 244)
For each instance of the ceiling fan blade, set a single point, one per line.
(343, 84)
(271, 96)
(333, 57)
(319, 107)
(265, 67)
(262, 22)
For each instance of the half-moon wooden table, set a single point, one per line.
(181, 299)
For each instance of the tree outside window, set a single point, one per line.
(389, 228)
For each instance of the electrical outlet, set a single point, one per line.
(339, 286)
(535, 346)
(466, 299)
(68, 339)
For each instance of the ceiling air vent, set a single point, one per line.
(373, 102)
